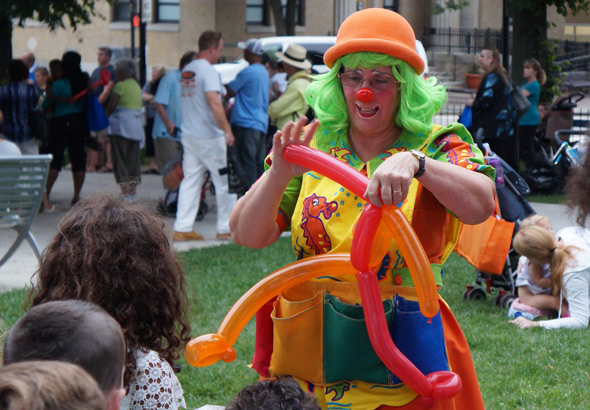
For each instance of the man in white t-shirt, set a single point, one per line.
(204, 133)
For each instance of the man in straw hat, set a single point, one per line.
(292, 104)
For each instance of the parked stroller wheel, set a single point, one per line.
(466, 293)
(476, 294)
(507, 300)
(498, 299)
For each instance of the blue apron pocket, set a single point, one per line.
(423, 343)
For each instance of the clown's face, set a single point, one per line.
(373, 109)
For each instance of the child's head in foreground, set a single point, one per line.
(282, 394)
(118, 256)
(76, 332)
(48, 385)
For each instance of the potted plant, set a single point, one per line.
(473, 76)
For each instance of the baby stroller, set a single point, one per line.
(488, 246)
(557, 153)
(171, 176)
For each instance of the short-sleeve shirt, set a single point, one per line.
(16, 101)
(452, 144)
(168, 95)
(198, 78)
(531, 117)
(251, 102)
(129, 94)
(96, 76)
(62, 88)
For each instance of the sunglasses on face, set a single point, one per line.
(378, 80)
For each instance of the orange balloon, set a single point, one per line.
(208, 349)
(415, 257)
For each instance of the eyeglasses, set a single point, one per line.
(378, 80)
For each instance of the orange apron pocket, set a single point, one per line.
(297, 338)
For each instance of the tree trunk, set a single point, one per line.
(529, 35)
(5, 44)
(290, 17)
(280, 22)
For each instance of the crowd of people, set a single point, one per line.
(186, 112)
(108, 315)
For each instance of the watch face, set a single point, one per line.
(418, 154)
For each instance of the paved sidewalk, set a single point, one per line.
(19, 269)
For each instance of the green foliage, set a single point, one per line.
(436, 8)
(551, 88)
(562, 6)
(52, 12)
(522, 369)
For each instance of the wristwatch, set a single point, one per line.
(421, 157)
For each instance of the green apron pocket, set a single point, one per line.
(348, 353)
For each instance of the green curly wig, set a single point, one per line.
(420, 99)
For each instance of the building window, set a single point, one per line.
(258, 12)
(168, 11)
(391, 5)
(122, 10)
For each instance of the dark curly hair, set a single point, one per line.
(117, 255)
(281, 394)
(578, 188)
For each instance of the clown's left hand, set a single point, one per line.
(391, 181)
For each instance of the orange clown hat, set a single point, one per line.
(377, 30)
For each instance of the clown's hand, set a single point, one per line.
(390, 183)
(291, 134)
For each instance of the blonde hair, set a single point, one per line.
(48, 385)
(533, 220)
(160, 69)
(538, 244)
(535, 65)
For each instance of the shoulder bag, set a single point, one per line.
(521, 103)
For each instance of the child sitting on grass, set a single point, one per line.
(533, 280)
(569, 260)
(117, 255)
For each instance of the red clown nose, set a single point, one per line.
(365, 95)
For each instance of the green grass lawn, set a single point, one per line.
(548, 199)
(517, 369)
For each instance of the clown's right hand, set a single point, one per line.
(291, 134)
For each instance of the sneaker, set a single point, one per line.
(187, 236)
(130, 199)
(224, 236)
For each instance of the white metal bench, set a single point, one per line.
(22, 184)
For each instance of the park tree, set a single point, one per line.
(54, 13)
(284, 20)
(529, 34)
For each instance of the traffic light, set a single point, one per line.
(136, 20)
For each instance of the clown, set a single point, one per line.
(375, 114)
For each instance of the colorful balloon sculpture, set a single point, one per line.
(374, 230)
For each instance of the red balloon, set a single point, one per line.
(105, 77)
(365, 95)
(364, 236)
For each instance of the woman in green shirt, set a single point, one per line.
(126, 132)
